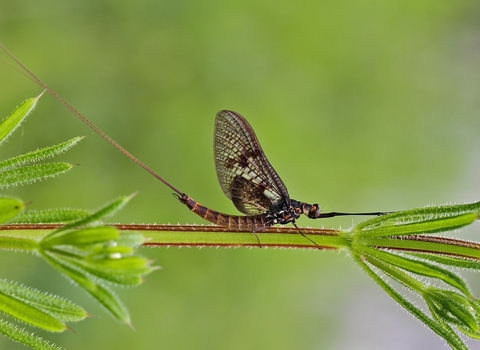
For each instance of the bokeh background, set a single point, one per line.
(360, 106)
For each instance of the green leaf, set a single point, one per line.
(422, 220)
(426, 244)
(121, 264)
(10, 123)
(39, 154)
(439, 327)
(111, 302)
(459, 262)
(60, 308)
(453, 307)
(405, 227)
(102, 213)
(9, 208)
(87, 236)
(125, 275)
(18, 243)
(29, 314)
(29, 174)
(418, 267)
(98, 291)
(61, 215)
(26, 338)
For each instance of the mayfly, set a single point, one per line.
(245, 175)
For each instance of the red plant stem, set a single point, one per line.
(383, 243)
(173, 228)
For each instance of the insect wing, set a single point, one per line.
(244, 172)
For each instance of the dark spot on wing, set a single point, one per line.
(230, 163)
(249, 196)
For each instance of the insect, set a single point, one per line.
(245, 175)
(249, 180)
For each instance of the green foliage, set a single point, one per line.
(421, 261)
(14, 171)
(94, 256)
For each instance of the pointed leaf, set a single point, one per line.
(452, 216)
(10, 123)
(29, 174)
(419, 267)
(437, 326)
(111, 302)
(411, 227)
(61, 215)
(459, 262)
(39, 154)
(60, 308)
(18, 243)
(131, 278)
(121, 272)
(453, 307)
(103, 212)
(100, 292)
(29, 314)
(26, 338)
(87, 236)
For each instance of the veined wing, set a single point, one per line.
(244, 172)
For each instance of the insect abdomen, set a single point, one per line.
(237, 222)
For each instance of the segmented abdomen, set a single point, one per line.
(237, 222)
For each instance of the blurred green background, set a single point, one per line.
(360, 106)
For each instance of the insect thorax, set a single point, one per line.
(285, 213)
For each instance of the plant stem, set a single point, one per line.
(200, 235)
(286, 237)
